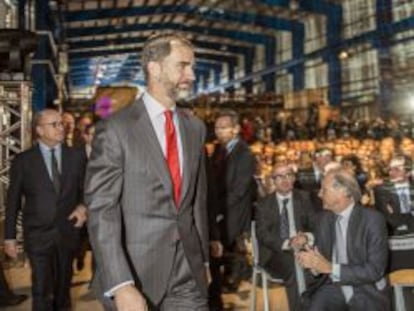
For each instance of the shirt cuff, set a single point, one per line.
(311, 238)
(111, 293)
(336, 272)
(286, 245)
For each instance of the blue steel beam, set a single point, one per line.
(214, 14)
(232, 48)
(369, 37)
(384, 19)
(111, 29)
(205, 56)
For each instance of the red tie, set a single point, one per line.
(172, 155)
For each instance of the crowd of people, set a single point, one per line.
(168, 215)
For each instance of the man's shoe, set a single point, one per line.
(12, 300)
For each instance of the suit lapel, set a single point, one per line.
(353, 228)
(188, 151)
(44, 173)
(297, 211)
(145, 136)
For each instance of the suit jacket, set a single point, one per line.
(367, 250)
(134, 225)
(234, 190)
(388, 203)
(268, 230)
(45, 212)
(306, 180)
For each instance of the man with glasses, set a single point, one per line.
(284, 222)
(49, 177)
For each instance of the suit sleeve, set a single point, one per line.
(103, 188)
(200, 206)
(393, 217)
(243, 181)
(267, 236)
(14, 198)
(373, 268)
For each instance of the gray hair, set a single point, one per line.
(344, 180)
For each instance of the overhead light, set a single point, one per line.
(343, 55)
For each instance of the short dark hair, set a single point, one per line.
(229, 113)
(158, 47)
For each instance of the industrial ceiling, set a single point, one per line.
(105, 37)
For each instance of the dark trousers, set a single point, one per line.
(5, 291)
(51, 277)
(214, 290)
(327, 298)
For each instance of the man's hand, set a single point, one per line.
(80, 215)
(10, 248)
(208, 275)
(299, 241)
(216, 249)
(128, 298)
(314, 260)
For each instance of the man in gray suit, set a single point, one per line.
(146, 188)
(350, 259)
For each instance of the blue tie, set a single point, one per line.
(404, 202)
(284, 221)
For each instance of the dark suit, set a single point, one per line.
(130, 198)
(388, 203)
(307, 180)
(49, 237)
(234, 191)
(279, 263)
(367, 252)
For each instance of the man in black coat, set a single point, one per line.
(284, 224)
(49, 176)
(350, 258)
(233, 167)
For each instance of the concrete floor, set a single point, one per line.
(19, 279)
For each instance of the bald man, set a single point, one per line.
(49, 176)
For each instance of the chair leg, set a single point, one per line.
(399, 298)
(253, 290)
(266, 303)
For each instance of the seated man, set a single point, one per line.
(394, 197)
(350, 257)
(284, 221)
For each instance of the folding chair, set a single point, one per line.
(258, 270)
(402, 278)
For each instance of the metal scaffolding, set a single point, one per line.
(15, 127)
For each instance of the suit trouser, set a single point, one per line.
(183, 293)
(51, 277)
(328, 297)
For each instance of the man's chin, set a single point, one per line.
(182, 95)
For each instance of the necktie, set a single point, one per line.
(55, 171)
(341, 254)
(284, 221)
(172, 155)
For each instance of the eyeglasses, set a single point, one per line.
(55, 124)
(279, 177)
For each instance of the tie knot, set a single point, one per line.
(285, 201)
(52, 151)
(168, 115)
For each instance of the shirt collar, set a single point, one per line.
(346, 213)
(46, 148)
(402, 185)
(230, 145)
(282, 197)
(154, 107)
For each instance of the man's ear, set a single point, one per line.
(154, 70)
(236, 129)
